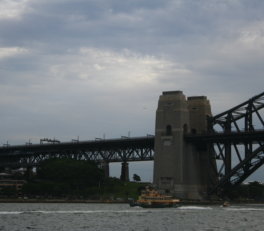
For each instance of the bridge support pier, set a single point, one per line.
(179, 168)
(105, 168)
(124, 172)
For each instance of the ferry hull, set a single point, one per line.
(154, 205)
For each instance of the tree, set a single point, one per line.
(136, 178)
(70, 171)
(256, 190)
(61, 177)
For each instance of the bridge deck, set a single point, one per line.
(81, 145)
(222, 137)
(112, 150)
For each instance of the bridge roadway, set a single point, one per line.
(110, 150)
(233, 137)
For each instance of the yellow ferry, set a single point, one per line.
(151, 198)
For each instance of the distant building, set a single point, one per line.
(17, 184)
(7, 181)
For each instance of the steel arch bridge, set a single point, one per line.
(235, 139)
(246, 123)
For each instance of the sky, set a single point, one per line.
(95, 68)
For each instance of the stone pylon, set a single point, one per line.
(180, 168)
(124, 172)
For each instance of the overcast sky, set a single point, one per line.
(95, 68)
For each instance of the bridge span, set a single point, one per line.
(237, 133)
(104, 150)
(127, 149)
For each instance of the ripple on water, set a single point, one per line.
(80, 217)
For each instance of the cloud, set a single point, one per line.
(13, 9)
(6, 52)
(132, 50)
(124, 69)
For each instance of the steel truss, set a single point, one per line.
(239, 148)
(100, 151)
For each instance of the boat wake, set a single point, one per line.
(194, 208)
(244, 209)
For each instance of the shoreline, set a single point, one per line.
(87, 201)
(60, 201)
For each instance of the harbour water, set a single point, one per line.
(80, 217)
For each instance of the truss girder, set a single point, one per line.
(117, 150)
(241, 138)
(241, 171)
(249, 107)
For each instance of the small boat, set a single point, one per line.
(226, 204)
(151, 198)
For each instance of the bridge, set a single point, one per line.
(234, 140)
(110, 150)
(100, 150)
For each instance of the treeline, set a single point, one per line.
(77, 179)
(252, 191)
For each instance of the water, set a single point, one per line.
(75, 217)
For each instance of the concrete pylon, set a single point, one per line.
(124, 172)
(179, 168)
